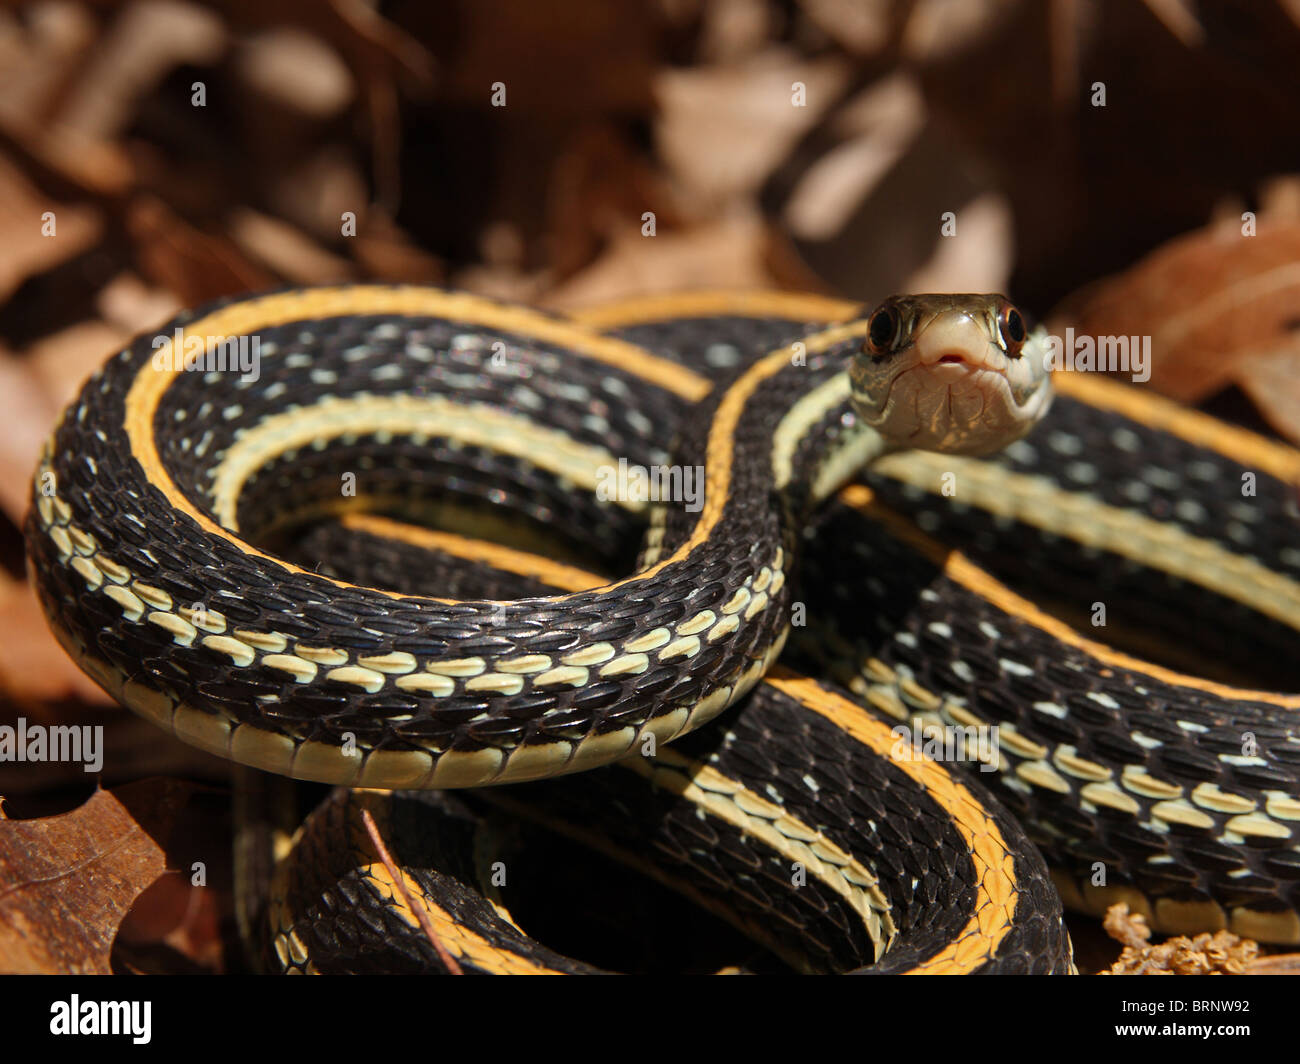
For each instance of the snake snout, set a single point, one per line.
(952, 339)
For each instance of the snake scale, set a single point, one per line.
(460, 613)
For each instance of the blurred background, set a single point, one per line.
(1126, 166)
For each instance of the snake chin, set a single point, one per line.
(954, 408)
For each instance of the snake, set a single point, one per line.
(161, 543)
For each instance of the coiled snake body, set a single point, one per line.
(169, 509)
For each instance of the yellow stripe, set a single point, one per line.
(962, 571)
(458, 939)
(758, 303)
(992, 858)
(522, 563)
(731, 801)
(463, 943)
(1244, 447)
(1040, 502)
(755, 929)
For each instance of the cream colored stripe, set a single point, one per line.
(851, 453)
(801, 417)
(1041, 503)
(472, 424)
(996, 888)
(962, 571)
(729, 800)
(1154, 411)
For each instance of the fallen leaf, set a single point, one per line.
(1273, 382)
(1278, 964)
(729, 252)
(67, 881)
(36, 233)
(1216, 304)
(142, 45)
(33, 666)
(287, 250)
(196, 265)
(723, 130)
(62, 361)
(28, 413)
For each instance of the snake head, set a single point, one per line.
(962, 374)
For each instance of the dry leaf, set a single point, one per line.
(1216, 304)
(723, 130)
(1278, 964)
(728, 253)
(62, 361)
(27, 413)
(198, 266)
(33, 666)
(36, 233)
(174, 926)
(128, 304)
(387, 253)
(67, 881)
(288, 251)
(142, 45)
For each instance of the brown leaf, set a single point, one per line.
(1272, 380)
(722, 130)
(1217, 305)
(67, 881)
(1278, 964)
(33, 667)
(387, 253)
(378, 52)
(62, 361)
(140, 47)
(197, 266)
(598, 183)
(285, 249)
(26, 217)
(27, 412)
(727, 253)
(128, 304)
(175, 923)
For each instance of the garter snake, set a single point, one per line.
(159, 482)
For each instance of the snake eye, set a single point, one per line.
(882, 329)
(1012, 327)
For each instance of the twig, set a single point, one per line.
(448, 961)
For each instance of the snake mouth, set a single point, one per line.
(971, 354)
(957, 373)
